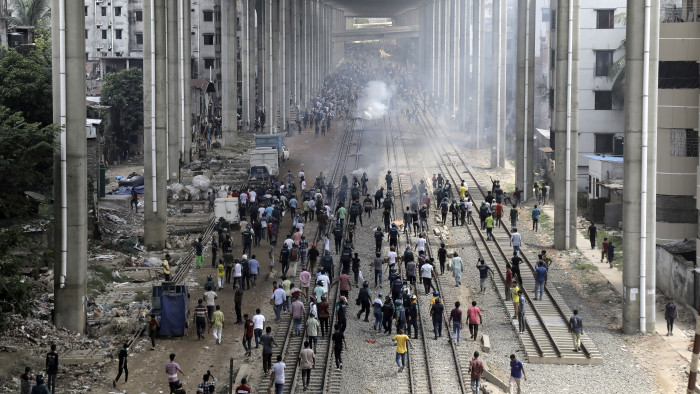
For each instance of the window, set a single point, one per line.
(208, 39)
(86, 11)
(554, 20)
(684, 143)
(208, 63)
(103, 12)
(603, 62)
(545, 14)
(604, 144)
(138, 15)
(603, 100)
(208, 16)
(117, 11)
(606, 19)
(86, 34)
(118, 34)
(104, 34)
(679, 75)
(139, 38)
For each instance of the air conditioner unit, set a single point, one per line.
(109, 24)
(98, 24)
(100, 47)
(110, 47)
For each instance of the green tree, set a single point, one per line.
(16, 295)
(25, 84)
(26, 162)
(124, 92)
(30, 12)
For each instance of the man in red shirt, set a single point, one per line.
(499, 213)
(476, 368)
(474, 319)
(248, 332)
(509, 280)
(243, 389)
(604, 252)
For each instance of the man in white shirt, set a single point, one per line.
(301, 174)
(243, 197)
(258, 326)
(237, 274)
(516, 240)
(252, 194)
(279, 297)
(210, 298)
(392, 258)
(290, 243)
(420, 243)
(427, 275)
(325, 280)
(303, 185)
(470, 206)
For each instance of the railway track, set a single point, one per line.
(426, 364)
(547, 339)
(323, 377)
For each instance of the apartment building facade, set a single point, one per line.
(601, 121)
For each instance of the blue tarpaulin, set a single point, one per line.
(173, 309)
(126, 190)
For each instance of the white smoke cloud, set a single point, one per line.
(374, 103)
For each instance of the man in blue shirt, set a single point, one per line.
(540, 277)
(535, 218)
(517, 371)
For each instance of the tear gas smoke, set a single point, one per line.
(374, 102)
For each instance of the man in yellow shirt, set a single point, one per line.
(218, 324)
(401, 349)
(220, 272)
(462, 190)
(166, 268)
(516, 298)
(489, 227)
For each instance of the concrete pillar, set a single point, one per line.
(248, 107)
(284, 61)
(315, 58)
(274, 116)
(295, 53)
(266, 54)
(187, 79)
(530, 118)
(173, 88)
(229, 72)
(638, 191)
(503, 123)
(565, 218)
(154, 101)
(497, 53)
(253, 59)
(521, 97)
(479, 70)
(435, 45)
(70, 174)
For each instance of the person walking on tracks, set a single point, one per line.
(476, 370)
(307, 361)
(437, 311)
(427, 275)
(267, 341)
(515, 294)
(198, 247)
(456, 320)
(516, 240)
(338, 339)
(278, 374)
(517, 371)
(401, 339)
(474, 319)
(540, 278)
(442, 257)
(364, 297)
(576, 329)
(514, 214)
(483, 274)
(171, 369)
(457, 269)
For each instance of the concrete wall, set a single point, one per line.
(676, 277)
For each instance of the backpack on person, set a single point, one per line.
(293, 255)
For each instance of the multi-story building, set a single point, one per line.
(677, 195)
(601, 121)
(114, 36)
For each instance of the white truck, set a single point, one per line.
(227, 208)
(264, 165)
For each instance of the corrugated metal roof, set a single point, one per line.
(613, 159)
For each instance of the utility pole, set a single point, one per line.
(480, 62)
(70, 169)
(185, 80)
(173, 88)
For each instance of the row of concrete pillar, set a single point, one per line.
(286, 50)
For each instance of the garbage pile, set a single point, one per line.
(197, 191)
